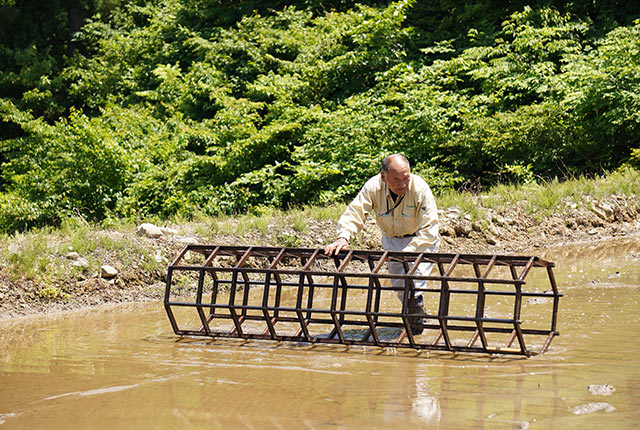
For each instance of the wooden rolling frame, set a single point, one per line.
(268, 268)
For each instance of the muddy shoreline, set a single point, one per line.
(512, 231)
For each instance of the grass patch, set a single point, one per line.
(119, 224)
(206, 228)
(78, 233)
(465, 201)
(542, 200)
(500, 195)
(331, 213)
(149, 263)
(221, 226)
(624, 181)
(543, 197)
(289, 240)
(52, 294)
(299, 221)
(28, 254)
(261, 224)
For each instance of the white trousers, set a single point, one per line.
(397, 268)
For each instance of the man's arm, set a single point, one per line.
(352, 221)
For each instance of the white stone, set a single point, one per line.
(72, 255)
(80, 262)
(449, 240)
(495, 231)
(463, 228)
(169, 231)
(596, 210)
(446, 230)
(498, 219)
(149, 230)
(606, 208)
(108, 271)
(187, 240)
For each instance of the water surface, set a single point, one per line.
(122, 367)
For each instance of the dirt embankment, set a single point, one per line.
(141, 265)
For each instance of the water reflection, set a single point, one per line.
(425, 405)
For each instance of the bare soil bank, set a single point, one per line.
(511, 231)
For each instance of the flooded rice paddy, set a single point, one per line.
(122, 367)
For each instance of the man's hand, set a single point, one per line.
(337, 246)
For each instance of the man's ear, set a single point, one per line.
(383, 177)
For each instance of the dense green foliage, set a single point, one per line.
(186, 106)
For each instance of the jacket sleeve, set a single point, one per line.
(354, 217)
(427, 238)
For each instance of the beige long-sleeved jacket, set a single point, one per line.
(416, 214)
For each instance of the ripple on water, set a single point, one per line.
(601, 390)
(3, 417)
(590, 408)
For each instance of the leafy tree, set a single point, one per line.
(180, 106)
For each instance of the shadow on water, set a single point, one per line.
(122, 367)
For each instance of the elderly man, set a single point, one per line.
(405, 212)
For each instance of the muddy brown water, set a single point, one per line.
(122, 367)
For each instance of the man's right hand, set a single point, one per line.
(337, 246)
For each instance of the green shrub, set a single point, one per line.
(53, 294)
(176, 109)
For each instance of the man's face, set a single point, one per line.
(397, 178)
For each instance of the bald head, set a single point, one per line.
(396, 173)
(394, 161)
